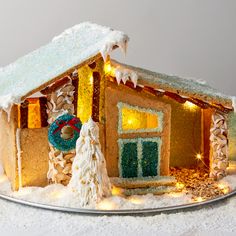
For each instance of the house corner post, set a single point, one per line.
(219, 145)
(59, 101)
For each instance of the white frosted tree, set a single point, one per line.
(89, 174)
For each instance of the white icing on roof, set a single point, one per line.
(183, 86)
(71, 48)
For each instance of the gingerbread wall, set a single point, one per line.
(34, 156)
(8, 150)
(115, 94)
(185, 136)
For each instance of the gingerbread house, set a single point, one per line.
(147, 121)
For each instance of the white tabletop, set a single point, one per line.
(16, 219)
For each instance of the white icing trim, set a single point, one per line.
(6, 103)
(18, 147)
(160, 90)
(1, 168)
(124, 75)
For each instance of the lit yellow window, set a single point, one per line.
(138, 119)
(34, 116)
(85, 90)
(85, 93)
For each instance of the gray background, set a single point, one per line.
(192, 38)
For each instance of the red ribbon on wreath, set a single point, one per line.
(63, 123)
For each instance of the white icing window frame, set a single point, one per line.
(159, 114)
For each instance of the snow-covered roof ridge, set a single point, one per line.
(71, 48)
(183, 86)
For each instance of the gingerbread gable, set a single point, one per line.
(73, 47)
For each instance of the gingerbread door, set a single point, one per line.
(137, 133)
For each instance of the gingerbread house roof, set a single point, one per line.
(184, 87)
(79, 45)
(72, 48)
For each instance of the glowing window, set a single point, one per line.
(34, 115)
(85, 93)
(137, 119)
(86, 85)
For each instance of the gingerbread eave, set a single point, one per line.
(74, 47)
(195, 91)
(162, 83)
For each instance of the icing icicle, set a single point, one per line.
(89, 175)
(1, 168)
(6, 103)
(19, 156)
(115, 38)
(125, 74)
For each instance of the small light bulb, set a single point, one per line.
(135, 200)
(130, 121)
(198, 199)
(116, 191)
(223, 187)
(106, 204)
(199, 156)
(108, 69)
(179, 185)
(190, 105)
(91, 80)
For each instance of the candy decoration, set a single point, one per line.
(64, 132)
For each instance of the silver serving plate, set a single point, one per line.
(147, 211)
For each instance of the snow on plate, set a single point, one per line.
(58, 195)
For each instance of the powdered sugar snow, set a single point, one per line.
(218, 219)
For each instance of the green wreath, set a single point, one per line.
(61, 141)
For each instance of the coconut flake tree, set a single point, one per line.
(89, 174)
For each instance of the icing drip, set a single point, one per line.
(1, 168)
(61, 102)
(219, 145)
(19, 156)
(115, 39)
(8, 111)
(89, 175)
(124, 75)
(7, 102)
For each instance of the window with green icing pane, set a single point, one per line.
(139, 157)
(129, 160)
(149, 158)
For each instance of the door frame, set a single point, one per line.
(115, 94)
